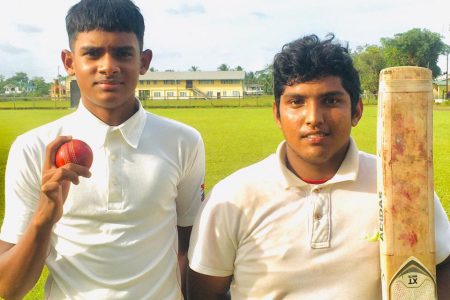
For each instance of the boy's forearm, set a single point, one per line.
(22, 264)
(183, 264)
(443, 280)
(184, 234)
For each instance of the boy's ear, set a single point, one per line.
(146, 58)
(67, 59)
(276, 114)
(358, 113)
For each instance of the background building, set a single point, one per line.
(253, 89)
(191, 85)
(179, 85)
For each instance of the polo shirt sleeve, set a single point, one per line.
(22, 189)
(191, 187)
(215, 235)
(442, 231)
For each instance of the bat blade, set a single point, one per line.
(405, 184)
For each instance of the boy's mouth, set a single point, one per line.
(315, 136)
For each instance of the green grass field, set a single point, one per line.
(39, 103)
(234, 138)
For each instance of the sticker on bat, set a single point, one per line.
(413, 281)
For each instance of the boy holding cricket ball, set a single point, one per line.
(119, 230)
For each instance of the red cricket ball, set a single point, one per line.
(74, 151)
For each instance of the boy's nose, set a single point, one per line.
(108, 65)
(313, 113)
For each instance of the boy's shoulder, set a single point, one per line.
(246, 182)
(47, 132)
(169, 127)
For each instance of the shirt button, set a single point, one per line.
(317, 191)
(113, 157)
(317, 216)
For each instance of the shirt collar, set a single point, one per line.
(348, 171)
(132, 128)
(92, 130)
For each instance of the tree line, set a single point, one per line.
(416, 47)
(35, 86)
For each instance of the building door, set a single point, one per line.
(74, 94)
(189, 84)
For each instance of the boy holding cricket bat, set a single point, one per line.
(293, 225)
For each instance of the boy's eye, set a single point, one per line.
(123, 53)
(92, 53)
(331, 101)
(297, 101)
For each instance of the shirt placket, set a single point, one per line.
(320, 218)
(115, 181)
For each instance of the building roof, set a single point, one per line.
(441, 82)
(191, 75)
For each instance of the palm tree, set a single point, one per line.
(265, 78)
(194, 69)
(223, 67)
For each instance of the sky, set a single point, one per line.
(206, 34)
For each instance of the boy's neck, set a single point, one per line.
(308, 171)
(116, 115)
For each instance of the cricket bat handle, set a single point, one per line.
(405, 184)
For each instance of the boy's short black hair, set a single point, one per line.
(308, 59)
(107, 15)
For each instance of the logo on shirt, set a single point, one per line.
(202, 189)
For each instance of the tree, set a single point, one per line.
(20, 79)
(2, 84)
(238, 68)
(194, 69)
(223, 67)
(416, 47)
(265, 78)
(41, 87)
(369, 61)
(250, 78)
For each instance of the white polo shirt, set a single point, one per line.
(117, 238)
(282, 238)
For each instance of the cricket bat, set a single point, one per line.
(405, 184)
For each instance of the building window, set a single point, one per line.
(183, 94)
(230, 81)
(156, 94)
(170, 94)
(209, 94)
(147, 82)
(169, 81)
(141, 81)
(144, 94)
(236, 94)
(155, 81)
(206, 81)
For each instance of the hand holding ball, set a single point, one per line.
(74, 151)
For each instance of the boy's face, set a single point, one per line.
(107, 66)
(315, 118)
